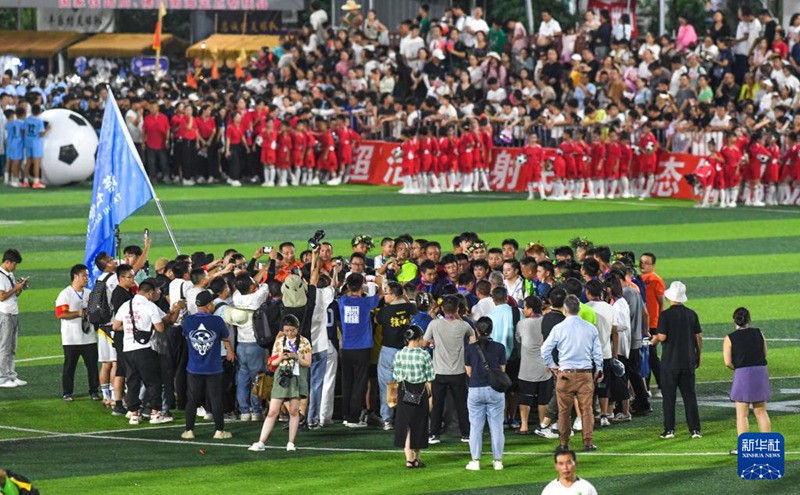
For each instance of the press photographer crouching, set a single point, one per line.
(290, 360)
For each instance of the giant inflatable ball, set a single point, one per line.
(69, 148)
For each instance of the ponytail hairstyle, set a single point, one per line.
(414, 332)
(484, 328)
(741, 317)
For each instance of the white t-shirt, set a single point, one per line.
(622, 319)
(605, 320)
(134, 130)
(72, 329)
(476, 25)
(145, 314)
(249, 302)
(319, 321)
(550, 28)
(580, 487)
(175, 295)
(7, 281)
(191, 298)
(482, 308)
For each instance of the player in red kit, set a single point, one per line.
(269, 148)
(711, 176)
(772, 171)
(559, 167)
(299, 145)
(758, 157)
(466, 147)
(448, 160)
(410, 164)
(789, 171)
(326, 162)
(487, 147)
(597, 152)
(625, 164)
(648, 146)
(346, 148)
(533, 153)
(283, 154)
(734, 160)
(426, 159)
(583, 163)
(611, 165)
(568, 152)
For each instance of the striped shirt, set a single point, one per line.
(413, 365)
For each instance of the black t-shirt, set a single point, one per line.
(680, 324)
(550, 320)
(119, 296)
(394, 320)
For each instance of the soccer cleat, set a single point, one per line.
(667, 434)
(187, 435)
(222, 435)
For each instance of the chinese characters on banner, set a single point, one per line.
(239, 5)
(263, 22)
(616, 9)
(88, 20)
(374, 164)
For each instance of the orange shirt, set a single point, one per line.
(286, 270)
(654, 287)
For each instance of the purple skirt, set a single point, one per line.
(750, 384)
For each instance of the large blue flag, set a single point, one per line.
(121, 185)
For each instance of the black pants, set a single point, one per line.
(227, 388)
(203, 388)
(457, 386)
(118, 346)
(71, 354)
(633, 368)
(355, 372)
(143, 367)
(236, 161)
(671, 382)
(740, 67)
(175, 361)
(189, 159)
(157, 164)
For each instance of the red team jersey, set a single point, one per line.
(466, 145)
(568, 151)
(426, 151)
(269, 145)
(626, 159)
(411, 157)
(283, 154)
(613, 156)
(309, 160)
(533, 165)
(487, 145)
(597, 150)
(733, 163)
(448, 158)
(649, 159)
(758, 156)
(773, 170)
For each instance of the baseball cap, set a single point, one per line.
(204, 298)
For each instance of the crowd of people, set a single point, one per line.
(453, 89)
(574, 333)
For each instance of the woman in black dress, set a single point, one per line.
(413, 371)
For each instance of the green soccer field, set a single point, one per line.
(727, 258)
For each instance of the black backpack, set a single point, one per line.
(98, 306)
(263, 328)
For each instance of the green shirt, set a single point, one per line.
(497, 40)
(9, 488)
(424, 27)
(706, 95)
(413, 365)
(407, 272)
(588, 314)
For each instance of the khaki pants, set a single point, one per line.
(568, 386)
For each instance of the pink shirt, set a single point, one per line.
(686, 37)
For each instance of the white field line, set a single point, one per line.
(101, 436)
(768, 340)
(40, 358)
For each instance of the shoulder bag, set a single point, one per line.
(498, 380)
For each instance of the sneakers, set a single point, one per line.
(201, 412)
(545, 432)
(256, 417)
(8, 384)
(222, 435)
(160, 418)
(290, 447)
(68, 398)
(589, 447)
(360, 424)
(208, 416)
(696, 434)
(317, 426)
(257, 447)
(119, 411)
(39, 185)
(667, 434)
(96, 397)
(134, 419)
(498, 465)
(387, 426)
(465, 439)
(187, 435)
(20, 383)
(621, 418)
(236, 183)
(245, 417)
(577, 424)
(473, 465)
(434, 439)
(604, 421)
(229, 417)
(515, 424)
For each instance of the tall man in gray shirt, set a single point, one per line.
(449, 337)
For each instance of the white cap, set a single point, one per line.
(576, 57)
(438, 54)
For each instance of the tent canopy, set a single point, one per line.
(123, 45)
(226, 46)
(36, 44)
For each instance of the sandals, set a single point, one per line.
(415, 464)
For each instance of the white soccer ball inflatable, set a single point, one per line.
(397, 153)
(522, 159)
(651, 146)
(69, 148)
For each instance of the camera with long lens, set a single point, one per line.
(313, 243)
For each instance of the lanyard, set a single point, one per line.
(80, 296)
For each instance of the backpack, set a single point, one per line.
(262, 328)
(98, 306)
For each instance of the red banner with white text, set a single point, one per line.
(616, 8)
(374, 164)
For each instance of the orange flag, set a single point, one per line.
(162, 11)
(190, 80)
(214, 70)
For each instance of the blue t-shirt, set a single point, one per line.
(33, 126)
(356, 321)
(495, 356)
(14, 132)
(204, 333)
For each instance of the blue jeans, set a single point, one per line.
(385, 375)
(252, 360)
(485, 404)
(319, 362)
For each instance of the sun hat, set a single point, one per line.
(676, 292)
(351, 5)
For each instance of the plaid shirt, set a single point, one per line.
(413, 365)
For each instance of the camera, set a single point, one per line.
(316, 238)
(266, 249)
(285, 377)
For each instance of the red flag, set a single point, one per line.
(190, 80)
(157, 37)
(214, 70)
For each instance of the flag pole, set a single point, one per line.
(144, 171)
(159, 25)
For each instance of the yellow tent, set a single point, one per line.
(36, 44)
(230, 46)
(123, 45)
